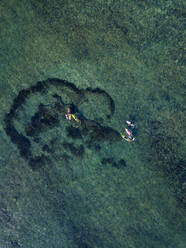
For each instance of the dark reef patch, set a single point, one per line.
(45, 117)
(74, 132)
(46, 148)
(20, 99)
(37, 162)
(77, 151)
(110, 161)
(48, 117)
(22, 143)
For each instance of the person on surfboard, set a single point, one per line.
(129, 135)
(130, 124)
(68, 115)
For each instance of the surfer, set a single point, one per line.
(68, 115)
(129, 135)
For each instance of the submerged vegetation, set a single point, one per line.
(78, 185)
(166, 153)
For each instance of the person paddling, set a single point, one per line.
(130, 124)
(68, 115)
(129, 135)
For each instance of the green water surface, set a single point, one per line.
(132, 50)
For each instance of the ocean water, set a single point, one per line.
(78, 184)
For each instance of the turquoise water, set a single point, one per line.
(78, 184)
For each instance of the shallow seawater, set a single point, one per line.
(78, 184)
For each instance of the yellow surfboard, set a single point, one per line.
(125, 138)
(75, 118)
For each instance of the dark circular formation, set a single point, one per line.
(36, 122)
